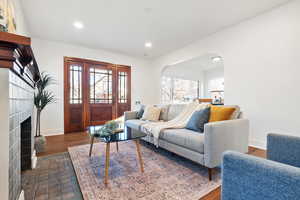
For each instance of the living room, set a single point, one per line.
(149, 70)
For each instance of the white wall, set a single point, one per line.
(209, 75)
(187, 73)
(22, 28)
(50, 58)
(261, 61)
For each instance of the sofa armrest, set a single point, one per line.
(284, 149)
(222, 136)
(130, 115)
(249, 177)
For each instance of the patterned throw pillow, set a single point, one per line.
(151, 113)
(198, 120)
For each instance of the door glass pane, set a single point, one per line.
(122, 87)
(100, 85)
(75, 84)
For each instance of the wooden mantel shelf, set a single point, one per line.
(13, 38)
(16, 54)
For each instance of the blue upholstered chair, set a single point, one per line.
(246, 177)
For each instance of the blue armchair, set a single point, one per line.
(246, 177)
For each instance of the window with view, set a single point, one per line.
(175, 90)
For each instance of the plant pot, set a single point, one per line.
(40, 144)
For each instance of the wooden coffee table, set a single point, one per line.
(124, 135)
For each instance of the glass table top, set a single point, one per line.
(124, 135)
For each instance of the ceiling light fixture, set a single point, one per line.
(148, 44)
(216, 59)
(78, 24)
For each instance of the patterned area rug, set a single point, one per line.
(166, 176)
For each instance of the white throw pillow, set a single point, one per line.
(151, 113)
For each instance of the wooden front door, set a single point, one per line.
(95, 92)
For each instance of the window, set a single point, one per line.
(166, 89)
(75, 84)
(184, 90)
(216, 88)
(175, 90)
(100, 85)
(216, 84)
(122, 87)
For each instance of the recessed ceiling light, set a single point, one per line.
(78, 24)
(216, 59)
(148, 44)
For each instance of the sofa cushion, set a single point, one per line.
(186, 138)
(175, 110)
(164, 111)
(198, 119)
(134, 123)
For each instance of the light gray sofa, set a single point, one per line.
(203, 148)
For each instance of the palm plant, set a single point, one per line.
(42, 98)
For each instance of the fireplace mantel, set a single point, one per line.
(16, 54)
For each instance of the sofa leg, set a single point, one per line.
(210, 174)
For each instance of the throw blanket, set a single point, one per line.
(155, 128)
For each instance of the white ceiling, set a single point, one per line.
(125, 25)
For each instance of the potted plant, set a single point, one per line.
(42, 98)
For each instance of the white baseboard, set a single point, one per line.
(51, 132)
(22, 197)
(33, 160)
(258, 144)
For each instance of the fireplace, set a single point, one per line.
(21, 140)
(26, 144)
(19, 74)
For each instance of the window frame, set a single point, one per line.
(172, 89)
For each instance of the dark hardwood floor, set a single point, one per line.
(60, 143)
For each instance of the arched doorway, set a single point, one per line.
(198, 78)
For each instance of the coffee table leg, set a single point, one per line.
(91, 147)
(117, 146)
(138, 149)
(107, 163)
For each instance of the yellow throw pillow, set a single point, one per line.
(220, 113)
(151, 113)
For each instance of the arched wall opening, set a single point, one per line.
(198, 78)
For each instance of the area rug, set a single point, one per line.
(166, 176)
